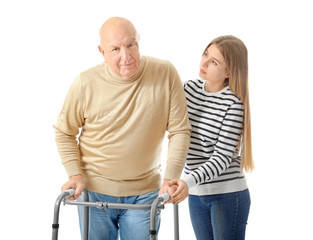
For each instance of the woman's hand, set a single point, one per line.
(181, 192)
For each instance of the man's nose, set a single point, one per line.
(125, 53)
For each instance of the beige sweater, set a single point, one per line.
(123, 124)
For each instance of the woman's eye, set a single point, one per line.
(214, 62)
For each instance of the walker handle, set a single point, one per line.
(164, 197)
(70, 192)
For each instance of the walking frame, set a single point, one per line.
(156, 206)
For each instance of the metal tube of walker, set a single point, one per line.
(176, 222)
(55, 224)
(155, 206)
(86, 215)
(153, 213)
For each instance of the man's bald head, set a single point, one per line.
(115, 26)
(119, 46)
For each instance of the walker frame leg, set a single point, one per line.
(176, 222)
(86, 216)
(55, 224)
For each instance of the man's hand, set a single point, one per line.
(75, 182)
(182, 190)
(165, 188)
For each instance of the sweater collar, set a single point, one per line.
(116, 78)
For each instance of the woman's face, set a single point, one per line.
(213, 67)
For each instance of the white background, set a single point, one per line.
(46, 44)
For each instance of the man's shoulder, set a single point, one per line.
(155, 61)
(91, 72)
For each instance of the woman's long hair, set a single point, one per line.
(235, 54)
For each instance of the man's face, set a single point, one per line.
(119, 46)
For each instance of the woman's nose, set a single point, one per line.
(204, 63)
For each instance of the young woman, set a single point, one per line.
(220, 149)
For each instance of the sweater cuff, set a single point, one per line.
(172, 172)
(190, 181)
(72, 168)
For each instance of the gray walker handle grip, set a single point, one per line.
(71, 192)
(165, 197)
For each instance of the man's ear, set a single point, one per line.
(101, 51)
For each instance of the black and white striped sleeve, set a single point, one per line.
(224, 148)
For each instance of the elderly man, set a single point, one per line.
(124, 108)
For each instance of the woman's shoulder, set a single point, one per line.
(194, 83)
(228, 93)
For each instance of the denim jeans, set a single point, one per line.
(221, 216)
(108, 224)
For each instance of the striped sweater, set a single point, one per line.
(213, 163)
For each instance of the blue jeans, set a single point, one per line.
(221, 216)
(108, 224)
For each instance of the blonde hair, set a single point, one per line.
(235, 54)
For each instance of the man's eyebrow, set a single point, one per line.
(132, 40)
(113, 46)
(126, 42)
